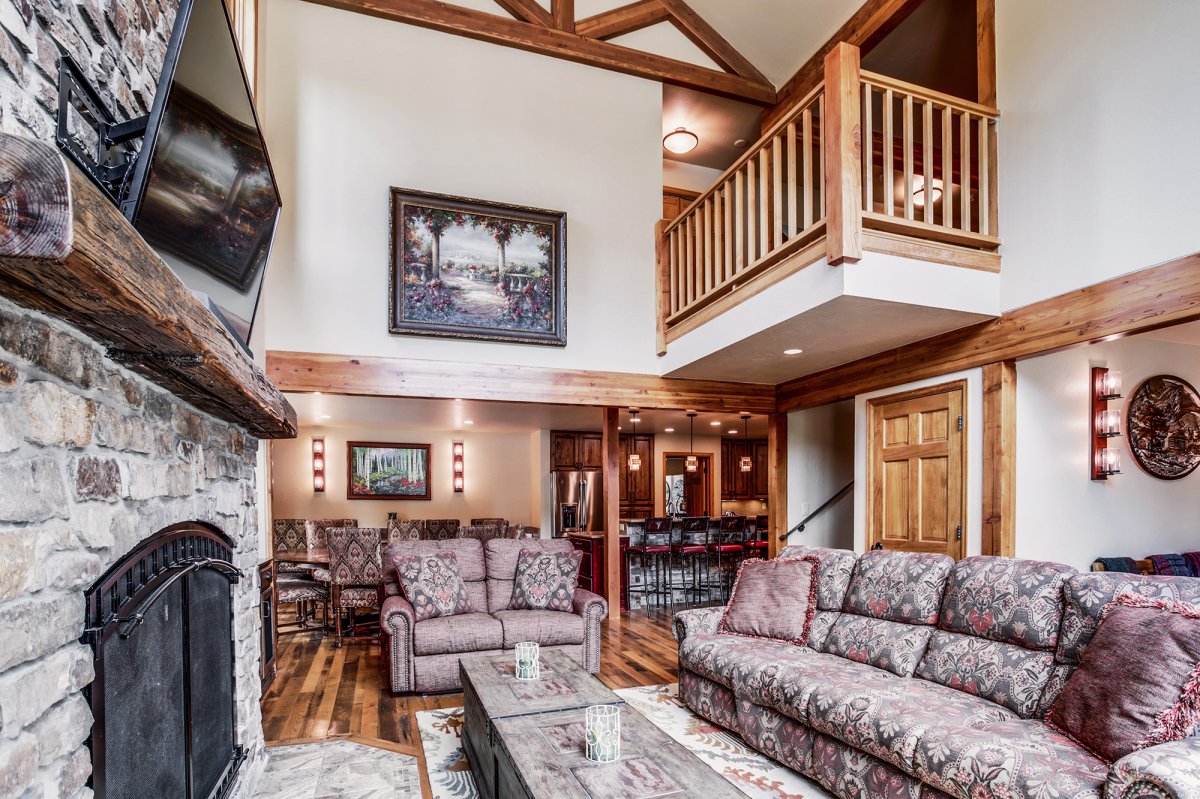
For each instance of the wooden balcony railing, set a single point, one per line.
(861, 152)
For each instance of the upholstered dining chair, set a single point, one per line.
(442, 529)
(303, 592)
(481, 532)
(405, 530)
(502, 524)
(316, 530)
(289, 534)
(355, 572)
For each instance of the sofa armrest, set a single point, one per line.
(1166, 771)
(697, 621)
(398, 621)
(594, 609)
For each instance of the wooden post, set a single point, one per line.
(842, 128)
(999, 458)
(662, 285)
(776, 480)
(611, 445)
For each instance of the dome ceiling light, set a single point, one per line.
(680, 141)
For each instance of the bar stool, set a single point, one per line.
(730, 550)
(691, 548)
(655, 546)
(757, 544)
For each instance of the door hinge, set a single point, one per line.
(958, 533)
(960, 422)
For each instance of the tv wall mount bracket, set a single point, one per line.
(104, 150)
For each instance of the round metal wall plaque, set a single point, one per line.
(1164, 427)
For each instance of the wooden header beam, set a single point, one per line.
(1163, 295)
(397, 377)
(564, 44)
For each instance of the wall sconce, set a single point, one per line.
(318, 465)
(457, 451)
(1106, 423)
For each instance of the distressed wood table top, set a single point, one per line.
(563, 684)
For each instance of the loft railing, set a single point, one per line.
(861, 152)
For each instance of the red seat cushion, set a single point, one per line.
(656, 549)
(757, 544)
(725, 547)
(689, 549)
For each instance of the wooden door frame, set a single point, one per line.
(714, 505)
(962, 385)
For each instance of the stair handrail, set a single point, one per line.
(799, 528)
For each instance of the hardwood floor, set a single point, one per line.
(320, 692)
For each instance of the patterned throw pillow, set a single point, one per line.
(433, 585)
(545, 580)
(773, 599)
(1138, 683)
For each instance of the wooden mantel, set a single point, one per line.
(66, 250)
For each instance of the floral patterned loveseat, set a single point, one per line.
(926, 678)
(423, 656)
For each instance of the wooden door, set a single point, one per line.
(563, 453)
(591, 450)
(916, 470)
(696, 490)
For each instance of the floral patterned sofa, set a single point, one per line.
(423, 656)
(927, 678)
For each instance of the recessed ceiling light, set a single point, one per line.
(468, 421)
(316, 393)
(326, 416)
(669, 430)
(733, 432)
(715, 424)
(740, 143)
(793, 351)
(458, 399)
(680, 141)
(620, 428)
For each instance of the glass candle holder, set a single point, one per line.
(528, 661)
(603, 733)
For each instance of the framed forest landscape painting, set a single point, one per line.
(387, 471)
(464, 268)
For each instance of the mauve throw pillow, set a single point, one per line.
(1138, 683)
(773, 599)
(545, 580)
(433, 585)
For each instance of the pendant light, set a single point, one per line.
(747, 463)
(692, 463)
(635, 460)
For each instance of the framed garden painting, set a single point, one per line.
(463, 268)
(387, 471)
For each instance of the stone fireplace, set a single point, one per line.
(94, 459)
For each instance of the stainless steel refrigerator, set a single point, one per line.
(578, 502)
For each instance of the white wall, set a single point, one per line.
(820, 462)
(973, 421)
(1097, 141)
(692, 177)
(353, 105)
(498, 469)
(1062, 515)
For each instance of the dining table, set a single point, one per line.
(310, 556)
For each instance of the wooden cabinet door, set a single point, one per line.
(916, 470)
(641, 482)
(726, 471)
(563, 452)
(758, 477)
(742, 481)
(591, 451)
(625, 476)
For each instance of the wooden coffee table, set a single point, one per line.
(492, 693)
(542, 757)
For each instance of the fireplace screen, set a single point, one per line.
(161, 625)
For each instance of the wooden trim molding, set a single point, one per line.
(985, 51)
(1159, 296)
(564, 44)
(777, 480)
(400, 377)
(999, 458)
(873, 20)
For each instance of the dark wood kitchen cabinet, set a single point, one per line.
(575, 451)
(739, 485)
(637, 487)
(591, 566)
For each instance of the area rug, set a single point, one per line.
(755, 775)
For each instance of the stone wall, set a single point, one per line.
(92, 459)
(119, 44)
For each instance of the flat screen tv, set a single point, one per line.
(201, 190)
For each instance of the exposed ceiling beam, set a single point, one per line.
(622, 20)
(1159, 296)
(874, 20)
(496, 29)
(406, 377)
(530, 11)
(712, 43)
(563, 12)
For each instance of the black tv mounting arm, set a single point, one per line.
(106, 155)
